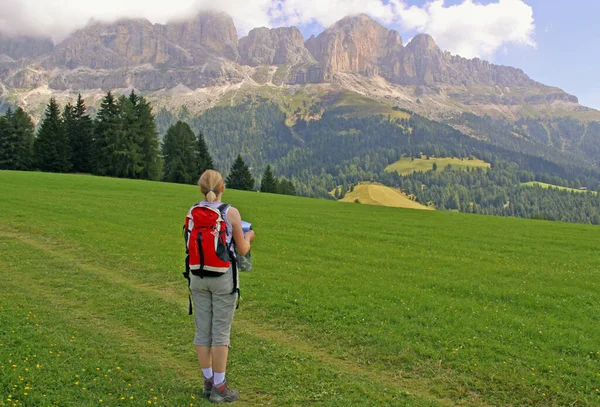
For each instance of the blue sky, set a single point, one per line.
(567, 54)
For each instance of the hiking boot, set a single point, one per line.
(208, 385)
(223, 394)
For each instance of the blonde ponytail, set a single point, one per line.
(211, 185)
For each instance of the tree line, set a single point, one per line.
(341, 149)
(308, 159)
(120, 141)
(497, 191)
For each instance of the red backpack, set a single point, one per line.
(208, 254)
(205, 232)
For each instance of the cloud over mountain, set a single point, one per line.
(469, 29)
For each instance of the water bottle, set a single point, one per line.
(244, 263)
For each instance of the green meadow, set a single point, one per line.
(407, 165)
(347, 305)
(544, 185)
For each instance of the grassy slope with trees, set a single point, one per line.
(339, 147)
(347, 304)
(407, 165)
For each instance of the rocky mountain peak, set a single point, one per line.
(133, 42)
(357, 20)
(276, 46)
(422, 41)
(353, 44)
(204, 51)
(209, 29)
(123, 43)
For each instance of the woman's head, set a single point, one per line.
(211, 185)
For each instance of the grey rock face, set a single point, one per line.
(205, 51)
(24, 46)
(279, 46)
(209, 33)
(422, 62)
(353, 44)
(129, 43)
(311, 74)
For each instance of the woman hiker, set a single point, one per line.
(212, 295)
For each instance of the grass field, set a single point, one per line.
(378, 194)
(348, 305)
(359, 105)
(406, 165)
(544, 185)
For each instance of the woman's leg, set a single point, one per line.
(219, 358)
(204, 356)
(203, 315)
(223, 302)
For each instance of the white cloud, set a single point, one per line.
(327, 12)
(58, 18)
(469, 29)
(472, 29)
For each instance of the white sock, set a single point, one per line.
(219, 378)
(208, 373)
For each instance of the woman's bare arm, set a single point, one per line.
(241, 240)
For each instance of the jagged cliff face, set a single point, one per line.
(360, 44)
(129, 43)
(209, 33)
(354, 44)
(356, 54)
(136, 53)
(279, 46)
(422, 62)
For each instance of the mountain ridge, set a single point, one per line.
(204, 55)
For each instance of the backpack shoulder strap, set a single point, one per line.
(223, 207)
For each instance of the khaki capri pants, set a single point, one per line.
(214, 306)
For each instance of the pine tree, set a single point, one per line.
(286, 187)
(8, 144)
(147, 139)
(16, 140)
(343, 190)
(336, 193)
(6, 149)
(134, 98)
(240, 176)
(25, 130)
(178, 173)
(80, 130)
(68, 117)
(203, 158)
(179, 155)
(52, 151)
(106, 135)
(127, 156)
(269, 182)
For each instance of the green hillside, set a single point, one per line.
(408, 165)
(351, 103)
(348, 305)
(546, 186)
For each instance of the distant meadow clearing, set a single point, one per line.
(347, 305)
(408, 165)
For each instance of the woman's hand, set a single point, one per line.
(249, 235)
